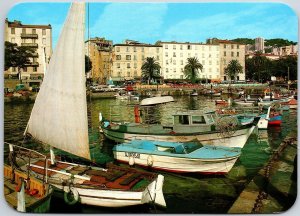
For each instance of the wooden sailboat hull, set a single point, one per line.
(104, 192)
(237, 139)
(108, 198)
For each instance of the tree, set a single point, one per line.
(233, 69)
(286, 67)
(259, 67)
(17, 56)
(88, 64)
(150, 69)
(191, 69)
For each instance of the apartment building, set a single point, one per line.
(35, 36)
(230, 50)
(99, 50)
(285, 50)
(175, 55)
(129, 57)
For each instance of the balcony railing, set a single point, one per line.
(34, 45)
(33, 64)
(24, 35)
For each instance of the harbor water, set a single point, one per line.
(184, 193)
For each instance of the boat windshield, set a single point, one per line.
(190, 147)
(181, 119)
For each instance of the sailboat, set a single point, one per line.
(59, 119)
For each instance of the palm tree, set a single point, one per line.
(233, 68)
(150, 69)
(191, 69)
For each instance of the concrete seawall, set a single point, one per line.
(274, 188)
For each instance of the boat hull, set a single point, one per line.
(237, 139)
(275, 121)
(179, 165)
(109, 198)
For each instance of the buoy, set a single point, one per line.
(150, 160)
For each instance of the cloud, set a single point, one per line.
(130, 21)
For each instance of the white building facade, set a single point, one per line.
(175, 55)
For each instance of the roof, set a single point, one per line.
(18, 24)
(138, 45)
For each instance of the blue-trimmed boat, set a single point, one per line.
(190, 157)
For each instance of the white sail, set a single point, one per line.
(59, 115)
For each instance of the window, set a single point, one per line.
(224, 53)
(174, 54)
(34, 69)
(217, 62)
(203, 55)
(189, 47)
(189, 54)
(24, 30)
(181, 54)
(166, 54)
(128, 57)
(157, 49)
(232, 54)
(13, 40)
(118, 49)
(157, 57)
(128, 65)
(224, 45)
(181, 46)
(202, 48)
(217, 56)
(209, 70)
(167, 62)
(128, 73)
(181, 69)
(196, 54)
(209, 55)
(118, 65)
(119, 74)
(143, 57)
(174, 46)
(209, 48)
(174, 62)
(143, 49)
(134, 49)
(184, 119)
(237, 46)
(217, 48)
(127, 49)
(166, 47)
(135, 65)
(232, 46)
(237, 54)
(25, 69)
(209, 62)
(33, 31)
(174, 70)
(12, 30)
(44, 41)
(135, 73)
(225, 78)
(44, 32)
(34, 60)
(134, 57)
(203, 62)
(181, 62)
(13, 69)
(238, 78)
(118, 57)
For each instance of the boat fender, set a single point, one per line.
(71, 195)
(150, 160)
(172, 132)
(131, 160)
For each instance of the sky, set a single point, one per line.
(181, 22)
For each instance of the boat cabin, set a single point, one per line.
(193, 122)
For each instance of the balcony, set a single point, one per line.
(24, 35)
(34, 45)
(36, 64)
